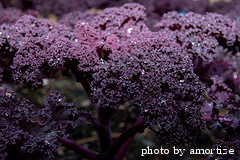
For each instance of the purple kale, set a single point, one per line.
(10, 15)
(72, 18)
(200, 35)
(225, 66)
(47, 48)
(36, 49)
(86, 34)
(222, 97)
(160, 84)
(30, 27)
(130, 17)
(154, 7)
(212, 42)
(45, 59)
(178, 79)
(27, 131)
(222, 109)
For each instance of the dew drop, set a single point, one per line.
(235, 76)
(8, 94)
(76, 40)
(102, 61)
(129, 30)
(163, 101)
(181, 13)
(142, 71)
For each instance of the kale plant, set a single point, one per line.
(180, 75)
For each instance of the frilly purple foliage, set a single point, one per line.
(175, 78)
(27, 131)
(37, 41)
(72, 18)
(199, 34)
(160, 84)
(223, 106)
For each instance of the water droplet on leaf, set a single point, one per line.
(129, 30)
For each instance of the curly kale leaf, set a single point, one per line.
(30, 132)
